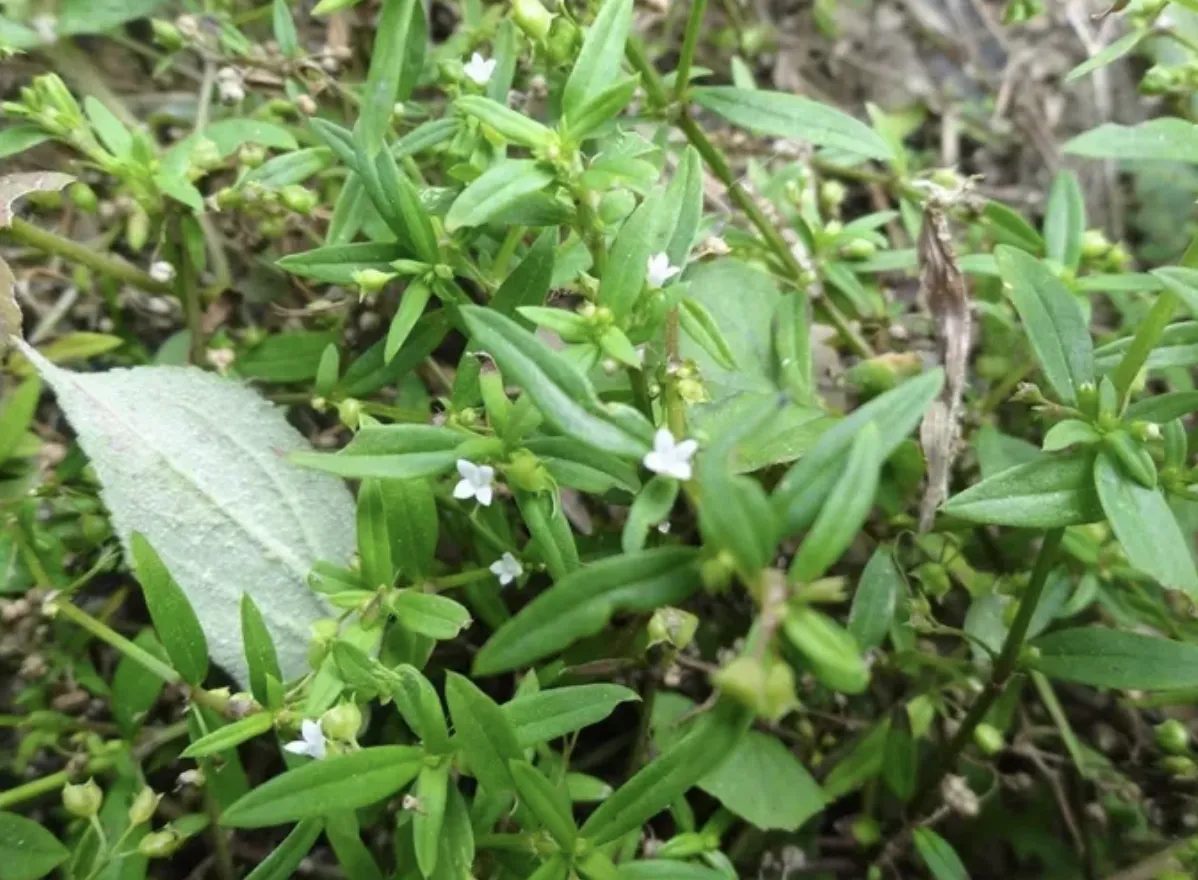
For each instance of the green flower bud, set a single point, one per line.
(859, 249)
(166, 35)
(866, 831)
(524, 470)
(1173, 736)
(271, 228)
(989, 739)
(1094, 244)
(935, 579)
(137, 228)
(832, 194)
(342, 722)
(1158, 80)
(744, 680)
(672, 626)
(83, 196)
(779, 690)
(350, 412)
(829, 648)
(205, 155)
(532, 18)
(160, 844)
(251, 155)
(371, 281)
(143, 806)
(82, 800)
(682, 846)
(1180, 766)
(716, 572)
(564, 38)
(299, 199)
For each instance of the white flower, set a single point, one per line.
(479, 69)
(659, 270)
(311, 741)
(162, 272)
(669, 456)
(507, 568)
(475, 482)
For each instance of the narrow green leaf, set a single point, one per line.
(600, 109)
(19, 138)
(583, 603)
(938, 854)
(1010, 227)
(395, 64)
(794, 117)
(1053, 321)
(488, 741)
(411, 307)
(396, 452)
(341, 782)
(337, 263)
(499, 187)
(700, 326)
(800, 494)
(1146, 527)
(108, 128)
(230, 735)
(548, 804)
(598, 62)
(374, 544)
(650, 507)
(174, 619)
(844, 512)
(583, 467)
(285, 860)
(437, 617)
(1065, 221)
(1050, 492)
(1111, 52)
(352, 854)
(550, 531)
(412, 525)
(562, 394)
(1181, 280)
(1112, 658)
(516, 127)
(260, 655)
(17, 414)
(876, 599)
(553, 713)
(1167, 139)
(1162, 408)
(284, 28)
(529, 283)
(638, 239)
(27, 850)
(708, 743)
(420, 706)
(684, 202)
(1070, 432)
(432, 790)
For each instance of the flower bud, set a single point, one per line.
(137, 228)
(160, 844)
(205, 155)
(672, 626)
(859, 249)
(989, 739)
(1173, 736)
(564, 37)
(1094, 244)
(82, 800)
(832, 194)
(251, 155)
(532, 18)
(1180, 766)
(525, 471)
(83, 196)
(371, 281)
(166, 35)
(866, 831)
(829, 649)
(143, 806)
(350, 412)
(299, 199)
(342, 722)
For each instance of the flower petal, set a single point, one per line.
(483, 494)
(463, 490)
(467, 469)
(686, 449)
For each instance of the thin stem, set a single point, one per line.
(47, 784)
(690, 41)
(106, 634)
(188, 291)
(52, 243)
(773, 239)
(1004, 666)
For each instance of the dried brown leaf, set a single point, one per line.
(947, 297)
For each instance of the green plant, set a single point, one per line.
(619, 592)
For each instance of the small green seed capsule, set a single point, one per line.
(83, 800)
(1173, 736)
(144, 805)
(160, 844)
(83, 196)
(251, 155)
(859, 249)
(989, 739)
(532, 18)
(342, 722)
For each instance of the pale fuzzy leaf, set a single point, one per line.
(197, 464)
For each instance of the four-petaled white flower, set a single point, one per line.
(507, 568)
(479, 69)
(475, 482)
(311, 741)
(659, 270)
(669, 456)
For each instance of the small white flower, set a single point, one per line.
(479, 69)
(162, 272)
(507, 568)
(311, 741)
(475, 483)
(659, 270)
(669, 456)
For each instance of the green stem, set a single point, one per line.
(773, 238)
(689, 42)
(52, 243)
(47, 784)
(503, 256)
(1004, 666)
(106, 634)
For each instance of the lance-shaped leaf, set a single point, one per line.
(582, 603)
(1050, 492)
(193, 463)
